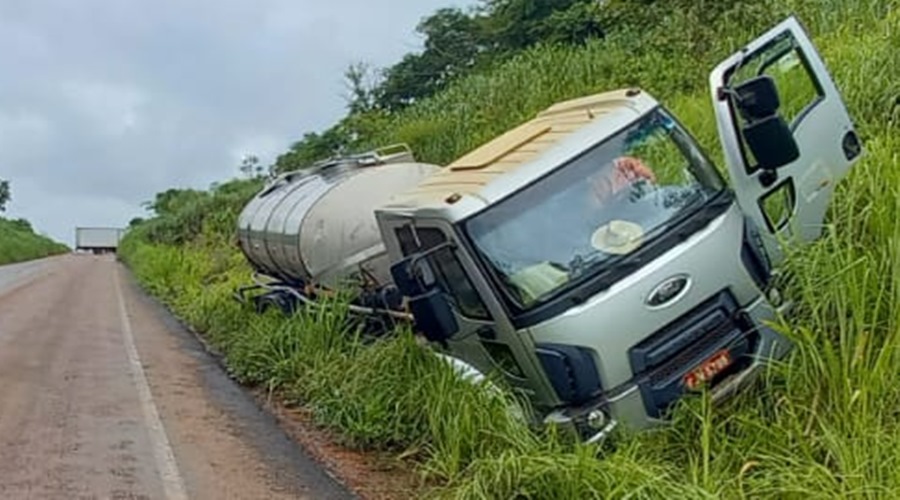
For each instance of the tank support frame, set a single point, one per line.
(298, 295)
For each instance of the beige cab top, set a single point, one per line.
(472, 174)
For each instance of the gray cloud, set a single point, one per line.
(104, 103)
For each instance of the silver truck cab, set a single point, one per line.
(595, 257)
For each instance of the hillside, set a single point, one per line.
(820, 425)
(18, 242)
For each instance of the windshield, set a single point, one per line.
(591, 213)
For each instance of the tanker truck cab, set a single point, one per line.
(595, 257)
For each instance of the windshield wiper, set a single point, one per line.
(581, 264)
(701, 218)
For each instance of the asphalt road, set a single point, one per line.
(104, 395)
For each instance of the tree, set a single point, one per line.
(22, 225)
(452, 47)
(251, 167)
(314, 147)
(405, 82)
(457, 43)
(361, 82)
(248, 165)
(5, 195)
(514, 25)
(173, 200)
(453, 40)
(576, 25)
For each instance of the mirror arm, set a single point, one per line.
(421, 255)
(425, 254)
(768, 177)
(724, 92)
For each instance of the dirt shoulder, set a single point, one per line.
(369, 475)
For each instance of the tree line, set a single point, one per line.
(456, 43)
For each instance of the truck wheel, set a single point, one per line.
(284, 302)
(287, 303)
(262, 303)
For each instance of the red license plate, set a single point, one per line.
(707, 370)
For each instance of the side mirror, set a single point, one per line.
(765, 131)
(757, 98)
(431, 311)
(433, 316)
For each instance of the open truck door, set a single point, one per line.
(786, 133)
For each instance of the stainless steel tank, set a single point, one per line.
(319, 225)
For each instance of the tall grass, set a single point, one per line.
(668, 52)
(18, 242)
(821, 424)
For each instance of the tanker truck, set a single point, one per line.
(593, 256)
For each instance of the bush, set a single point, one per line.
(18, 242)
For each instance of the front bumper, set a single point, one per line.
(643, 401)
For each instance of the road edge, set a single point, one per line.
(267, 407)
(166, 465)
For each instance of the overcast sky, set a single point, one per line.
(104, 103)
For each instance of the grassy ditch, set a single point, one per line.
(824, 423)
(18, 242)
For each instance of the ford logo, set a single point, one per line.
(669, 290)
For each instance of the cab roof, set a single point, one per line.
(483, 173)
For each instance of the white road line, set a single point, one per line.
(165, 458)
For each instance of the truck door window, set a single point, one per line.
(447, 269)
(798, 88)
(778, 205)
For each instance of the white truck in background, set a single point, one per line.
(98, 240)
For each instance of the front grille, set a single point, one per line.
(660, 362)
(709, 343)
